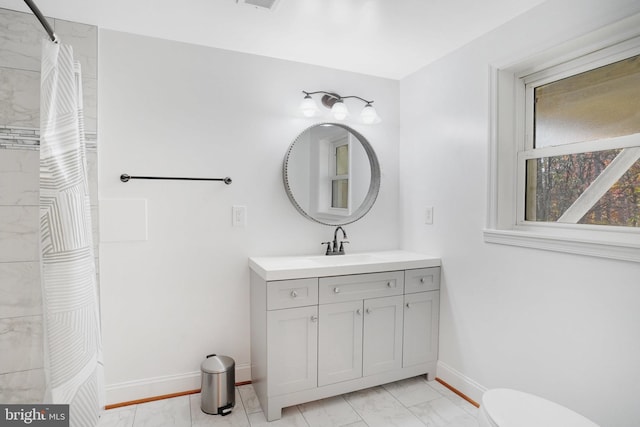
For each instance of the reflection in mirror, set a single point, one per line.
(331, 174)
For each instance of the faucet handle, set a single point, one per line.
(328, 247)
(341, 250)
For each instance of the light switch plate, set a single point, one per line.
(239, 216)
(428, 215)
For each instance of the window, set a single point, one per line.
(340, 175)
(565, 148)
(580, 166)
(332, 174)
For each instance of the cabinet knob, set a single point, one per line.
(422, 280)
(408, 305)
(389, 284)
(314, 318)
(336, 290)
(368, 310)
(358, 312)
(294, 294)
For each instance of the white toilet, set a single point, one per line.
(510, 408)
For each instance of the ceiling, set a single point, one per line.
(385, 38)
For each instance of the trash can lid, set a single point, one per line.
(216, 364)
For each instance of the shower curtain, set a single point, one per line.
(72, 343)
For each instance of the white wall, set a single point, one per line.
(172, 109)
(561, 326)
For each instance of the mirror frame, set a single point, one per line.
(374, 184)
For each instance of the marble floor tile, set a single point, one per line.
(412, 391)
(249, 399)
(443, 412)
(378, 408)
(441, 389)
(20, 290)
(333, 411)
(367, 408)
(291, 417)
(119, 417)
(174, 412)
(237, 417)
(469, 408)
(19, 173)
(459, 401)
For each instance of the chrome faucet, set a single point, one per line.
(333, 249)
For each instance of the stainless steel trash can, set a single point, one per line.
(218, 384)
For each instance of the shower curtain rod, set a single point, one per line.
(42, 20)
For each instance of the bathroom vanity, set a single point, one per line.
(326, 325)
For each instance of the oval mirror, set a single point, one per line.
(331, 174)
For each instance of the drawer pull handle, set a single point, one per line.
(314, 318)
(336, 290)
(294, 294)
(368, 310)
(422, 280)
(358, 312)
(389, 284)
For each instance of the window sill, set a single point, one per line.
(625, 251)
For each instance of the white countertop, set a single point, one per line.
(297, 267)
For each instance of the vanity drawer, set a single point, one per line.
(292, 293)
(421, 279)
(360, 286)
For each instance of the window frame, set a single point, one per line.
(323, 208)
(511, 144)
(333, 176)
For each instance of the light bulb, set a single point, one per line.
(369, 115)
(339, 110)
(309, 107)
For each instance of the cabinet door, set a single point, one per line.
(340, 342)
(292, 352)
(382, 341)
(421, 312)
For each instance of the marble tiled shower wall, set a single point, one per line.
(21, 341)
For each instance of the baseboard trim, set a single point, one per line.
(459, 393)
(460, 384)
(151, 399)
(151, 389)
(450, 378)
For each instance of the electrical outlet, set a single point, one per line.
(239, 216)
(428, 215)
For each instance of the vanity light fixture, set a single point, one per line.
(339, 109)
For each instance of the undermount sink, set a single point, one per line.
(289, 267)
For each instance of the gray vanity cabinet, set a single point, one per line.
(292, 335)
(340, 342)
(317, 337)
(293, 349)
(360, 325)
(421, 316)
(420, 339)
(382, 343)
